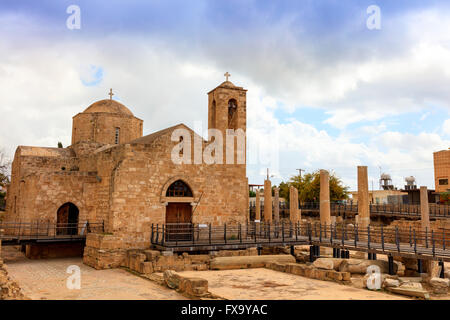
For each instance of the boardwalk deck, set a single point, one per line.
(405, 243)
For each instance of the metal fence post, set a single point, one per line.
(432, 241)
(391, 265)
(331, 233)
(443, 239)
(382, 238)
(225, 232)
(240, 233)
(151, 241)
(309, 230)
(157, 233)
(209, 233)
(320, 232)
(415, 242)
(410, 242)
(442, 273)
(397, 240)
(368, 237)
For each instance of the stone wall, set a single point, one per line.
(140, 181)
(9, 289)
(104, 251)
(100, 127)
(124, 185)
(192, 287)
(309, 271)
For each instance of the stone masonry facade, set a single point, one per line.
(124, 184)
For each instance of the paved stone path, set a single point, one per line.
(46, 279)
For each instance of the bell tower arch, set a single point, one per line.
(227, 107)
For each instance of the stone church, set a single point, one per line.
(112, 173)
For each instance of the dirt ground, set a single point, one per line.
(267, 284)
(46, 279)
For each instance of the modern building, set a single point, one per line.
(442, 170)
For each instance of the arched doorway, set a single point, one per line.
(179, 212)
(67, 219)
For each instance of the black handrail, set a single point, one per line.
(382, 239)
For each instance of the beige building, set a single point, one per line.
(442, 170)
(112, 173)
(381, 196)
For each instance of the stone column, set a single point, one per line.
(293, 204)
(267, 201)
(325, 212)
(431, 267)
(276, 205)
(258, 206)
(424, 209)
(363, 197)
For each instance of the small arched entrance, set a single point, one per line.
(179, 212)
(67, 219)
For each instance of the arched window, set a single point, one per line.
(213, 115)
(232, 114)
(117, 136)
(179, 189)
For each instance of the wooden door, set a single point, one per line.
(178, 222)
(62, 220)
(67, 219)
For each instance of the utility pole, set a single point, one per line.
(300, 172)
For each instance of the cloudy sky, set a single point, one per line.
(324, 90)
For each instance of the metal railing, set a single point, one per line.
(47, 230)
(339, 208)
(428, 244)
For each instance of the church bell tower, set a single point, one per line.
(227, 107)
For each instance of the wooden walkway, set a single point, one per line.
(39, 232)
(405, 243)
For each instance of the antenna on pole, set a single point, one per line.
(300, 172)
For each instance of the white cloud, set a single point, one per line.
(164, 84)
(446, 127)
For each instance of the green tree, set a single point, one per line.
(308, 186)
(251, 193)
(444, 197)
(5, 166)
(60, 145)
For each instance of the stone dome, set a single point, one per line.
(227, 84)
(108, 106)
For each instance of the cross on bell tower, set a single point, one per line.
(227, 75)
(110, 94)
